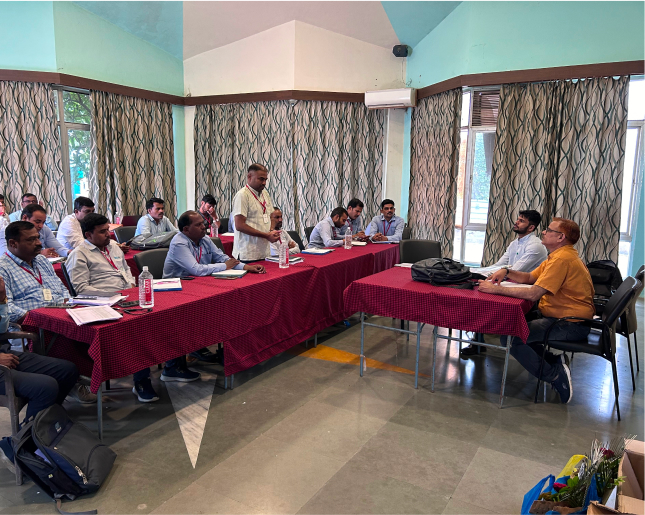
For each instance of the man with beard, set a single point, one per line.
(329, 232)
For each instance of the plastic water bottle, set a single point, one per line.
(347, 240)
(283, 255)
(117, 220)
(146, 292)
(214, 230)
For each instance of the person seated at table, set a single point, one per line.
(330, 231)
(276, 225)
(524, 254)
(36, 214)
(4, 217)
(207, 210)
(98, 264)
(30, 198)
(563, 286)
(154, 222)
(355, 220)
(386, 226)
(41, 380)
(31, 282)
(192, 253)
(69, 233)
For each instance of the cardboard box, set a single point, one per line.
(630, 493)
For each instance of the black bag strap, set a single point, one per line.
(59, 504)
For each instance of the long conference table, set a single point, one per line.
(255, 317)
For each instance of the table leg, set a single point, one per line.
(508, 350)
(416, 366)
(99, 411)
(362, 341)
(434, 353)
(225, 382)
(316, 340)
(232, 379)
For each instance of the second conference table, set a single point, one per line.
(255, 317)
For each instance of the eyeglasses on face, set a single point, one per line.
(548, 229)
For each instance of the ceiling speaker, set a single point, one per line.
(401, 50)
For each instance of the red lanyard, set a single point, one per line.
(106, 255)
(200, 254)
(40, 276)
(388, 227)
(263, 204)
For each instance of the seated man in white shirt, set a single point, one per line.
(330, 231)
(154, 222)
(30, 198)
(98, 264)
(36, 214)
(524, 254)
(69, 233)
(276, 225)
(386, 226)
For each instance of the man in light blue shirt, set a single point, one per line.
(154, 222)
(330, 231)
(386, 226)
(30, 198)
(36, 214)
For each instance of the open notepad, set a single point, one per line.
(292, 259)
(166, 284)
(317, 251)
(96, 300)
(93, 314)
(229, 274)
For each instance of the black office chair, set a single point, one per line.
(407, 233)
(124, 233)
(70, 286)
(308, 231)
(154, 259)
(628, 324)
(602, 338)
(412, 251)
(296, 237)
(218, 243)
(223, 225)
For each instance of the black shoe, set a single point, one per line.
(563, 385)
(471, 350)
(205, 355)
(144, 391)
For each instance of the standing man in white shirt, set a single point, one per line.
(524, 254)
(276, 225)
(330, 231)
(69, 233)
(386, 226)
(252, 208)
(155, 222)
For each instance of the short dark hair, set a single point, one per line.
(276, 208)
(339, 211)
(1, 197)
(29, 210)
(13, 230)
(355, 203)
(184, 219)
(154, 200)
(257, 167)
(91, 220)
(532, 216)
(25, 195)
(81, 202)
(209, 199)
(386, 202)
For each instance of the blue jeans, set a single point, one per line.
(530, 354)
(41, 379)
(145, 373)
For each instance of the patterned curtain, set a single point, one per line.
(559, 149)
(230, 137)
(434, 167)
(338, 155)
(132, 154)
(30, 156)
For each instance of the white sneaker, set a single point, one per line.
(82, 394)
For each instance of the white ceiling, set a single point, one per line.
(209, 25)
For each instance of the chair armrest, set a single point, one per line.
(22, 335)
(8, 382)
(591, 322)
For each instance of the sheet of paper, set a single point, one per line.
(316, 251)
(98, 301)
(405, 265)
(173, 284)
(359, 243)
(89, 315)
(292, 259)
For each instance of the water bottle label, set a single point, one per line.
(147, 284)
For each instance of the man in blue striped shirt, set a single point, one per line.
(386, 226)
(37, 215)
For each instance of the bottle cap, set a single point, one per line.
(145, 269)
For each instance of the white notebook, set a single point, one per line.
(316, 251)
(93, 314)
(97, 300)
(359, 243)
(229, 274)
(173, 284)
(515, 285)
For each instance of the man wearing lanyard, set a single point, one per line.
(37, 215)
(252, 208)
(354, 219)
(192, 253)
(207, 210)
(329, 232)
(31, 282)
(155, 222)
(386, 226)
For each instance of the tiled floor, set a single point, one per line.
(302, 435)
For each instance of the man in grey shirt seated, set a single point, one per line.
(154, 222)
(386, 226)
(330, 231)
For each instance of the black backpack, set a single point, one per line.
(159, 241)
(64, 458)
(606, 279)
(442, 272)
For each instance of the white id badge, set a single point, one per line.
(265, 217)
(47, 295)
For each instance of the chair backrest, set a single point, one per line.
(620, 300)
(70, 286)
(154, 259)
(223, 225)
(125, 233)
(218, 243)
(130, 220)
(407, 233)
(412, 251)
(296, 237)
(308, 231)
(631, 317)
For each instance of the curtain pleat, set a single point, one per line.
(132, 154)
(30, 156)
(434, 167)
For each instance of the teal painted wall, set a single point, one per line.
(27, 36)
(89, 46)
(480, 37)
(638, 257)
(179, 141)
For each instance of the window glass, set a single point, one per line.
(480, 187)
(474, 250)
(55, 97)
(628, 178)
(463, 148)
(77, 107)
(465, 109)
(624, 251)
(636, 100)
(79, 161)
(456, 246)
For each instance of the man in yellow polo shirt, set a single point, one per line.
(563, 286)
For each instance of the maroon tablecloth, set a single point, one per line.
(129, 258)
(393, 293)
(256, 317)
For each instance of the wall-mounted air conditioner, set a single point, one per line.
(391, 98)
